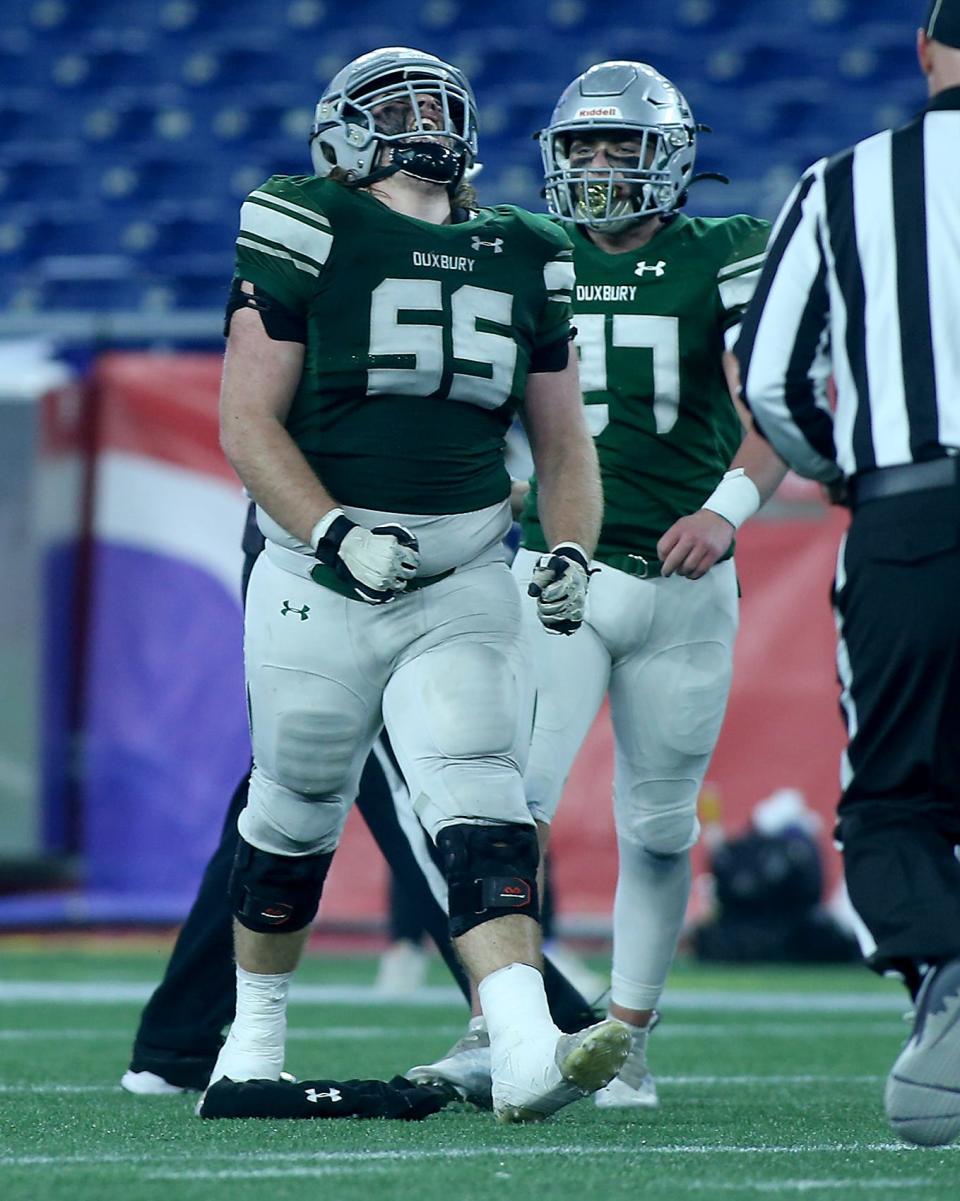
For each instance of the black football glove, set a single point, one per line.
(397, 1098)
(559, 582)
(376, 563)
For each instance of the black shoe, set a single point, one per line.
(923, 1089)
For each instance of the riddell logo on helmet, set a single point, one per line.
(608, 111)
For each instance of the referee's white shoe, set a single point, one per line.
(923, 1088)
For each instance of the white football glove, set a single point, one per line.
(376, 563)
(559, 582)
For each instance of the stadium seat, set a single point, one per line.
(156, 117)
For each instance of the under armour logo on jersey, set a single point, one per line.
(658, 269)
(334, 1094)
(495, 244)
(288, 608)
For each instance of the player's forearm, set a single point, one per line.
(761, 463)
(260, 379)
(569, 494)
(275, 473)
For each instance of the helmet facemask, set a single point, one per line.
(618, 102)
(634, 187)
(416, 116)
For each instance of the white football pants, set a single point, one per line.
(663, 649)
(444, 668)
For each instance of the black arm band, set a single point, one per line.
(552, 357)
(282, 324)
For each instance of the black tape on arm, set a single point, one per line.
(281, 323)
(552, 357)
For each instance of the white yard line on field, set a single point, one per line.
(669, 1029)
(172, 1166)
(683, 1081)
(107, 992)
(807, 1186)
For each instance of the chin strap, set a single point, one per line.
(428, 161)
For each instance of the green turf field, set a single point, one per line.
(771, 1086)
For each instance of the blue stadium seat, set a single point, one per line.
(166, 112)
(24, 115)
(19, 52)
(880, 51)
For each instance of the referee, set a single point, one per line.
(862, 282)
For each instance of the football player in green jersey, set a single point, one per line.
(380, 341)
(658, 296)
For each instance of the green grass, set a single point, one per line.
(761, 1097)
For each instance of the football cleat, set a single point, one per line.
(464, 1072)
(923, 1089)
(633, 1087)
(581, 1064)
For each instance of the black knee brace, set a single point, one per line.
(491, 871)
(276, 893)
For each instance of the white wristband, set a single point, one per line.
(325, 522)
(735, 498)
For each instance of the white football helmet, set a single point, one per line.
(630, 100)
(377, 100)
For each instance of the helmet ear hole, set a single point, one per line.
(328, 153)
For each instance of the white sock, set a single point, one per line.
(515, 1005)
(648, 912)
(255, 1045)
(635, 1068)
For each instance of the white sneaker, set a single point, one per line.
(633, 1087)
(148, 1084)
(402, 970)
(923, 1089)
(618, 1094)
(580, 1064)
(465, 1069)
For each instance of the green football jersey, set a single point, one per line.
(419, 337)
(651, 325)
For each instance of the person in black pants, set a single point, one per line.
(863, 279)
(180, 1029)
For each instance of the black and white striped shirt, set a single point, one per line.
(862, 281)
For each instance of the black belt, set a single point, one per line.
(320, 573)
(897, 481)
(646, 569)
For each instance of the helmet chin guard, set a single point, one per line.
(376, 102)
(620, 100)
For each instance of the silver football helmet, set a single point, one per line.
(411, 101)
(634, 101)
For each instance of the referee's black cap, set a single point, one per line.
(943, 22)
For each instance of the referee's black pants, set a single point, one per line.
(897, 603)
